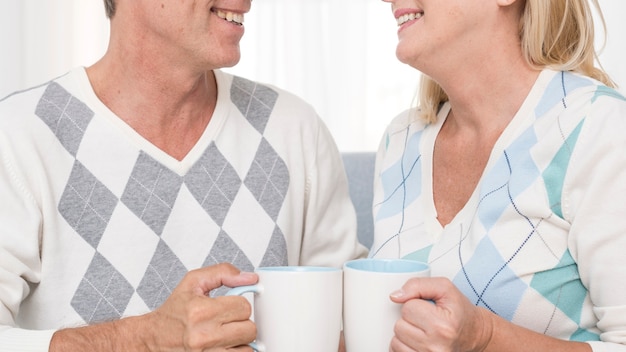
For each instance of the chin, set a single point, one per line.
(403, 56)
(409, 57)
(229, 64)
(230, 61)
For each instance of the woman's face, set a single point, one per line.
(433, 34)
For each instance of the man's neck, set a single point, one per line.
(167, 106)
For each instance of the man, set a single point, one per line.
(125, 184)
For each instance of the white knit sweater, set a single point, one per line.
(541, 241)
(96, 223)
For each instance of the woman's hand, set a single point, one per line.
(452, 323)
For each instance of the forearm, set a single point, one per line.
(506, 336)
(128, 334)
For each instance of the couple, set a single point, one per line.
(135, 188)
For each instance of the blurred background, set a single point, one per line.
(339, 55)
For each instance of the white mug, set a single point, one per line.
(369, 313)
(296, 308)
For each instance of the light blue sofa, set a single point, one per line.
(360, 170)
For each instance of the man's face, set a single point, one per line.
(202, 33)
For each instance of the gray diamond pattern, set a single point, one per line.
(226, 251)
(276, 254)
(151, 192)
(66, 116)
(268, 179)
(214, 183)
(162, 276)
(105, 286)
(86, 204)
(254, 101)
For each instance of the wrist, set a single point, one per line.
(120, 335)
(135, 333)
(485, 333)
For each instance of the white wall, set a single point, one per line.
(41, 39)
(336, 54)
(613, 56)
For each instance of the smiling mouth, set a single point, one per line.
(409, 17)
(232, 17)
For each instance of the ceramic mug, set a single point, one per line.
(369, 314)
(296, 308)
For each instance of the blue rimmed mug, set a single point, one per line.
(296, 308)
(369, 314)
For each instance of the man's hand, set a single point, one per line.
(188, 320)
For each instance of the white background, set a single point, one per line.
(337, 54)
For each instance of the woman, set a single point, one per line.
(509, 179)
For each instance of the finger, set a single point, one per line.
(407, 337)
(243, 278)
(396, 345)
(425, 288)
(220, 336)
(203, 280)
(217, 311)
(241, 333)
(235, 308)
(416, 314)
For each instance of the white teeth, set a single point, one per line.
(230, 16)
(408, 17)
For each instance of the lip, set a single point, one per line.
(406, 11)
(240, 10)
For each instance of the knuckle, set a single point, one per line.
(193, 343)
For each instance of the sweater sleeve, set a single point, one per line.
(594, 201)
(20, 263)
(21, 340)
(330, 236)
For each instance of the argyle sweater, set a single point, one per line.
(541, 241)
(96, 223)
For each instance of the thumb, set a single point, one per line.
(203, 280)
(425, 288)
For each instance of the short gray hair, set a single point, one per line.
(109, 6)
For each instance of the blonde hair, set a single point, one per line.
(555, 34)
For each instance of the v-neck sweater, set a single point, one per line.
(96, 223)
(540, 241)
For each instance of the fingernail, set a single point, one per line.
(247, 275)
(397, 294)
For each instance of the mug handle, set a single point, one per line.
(238, 291)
